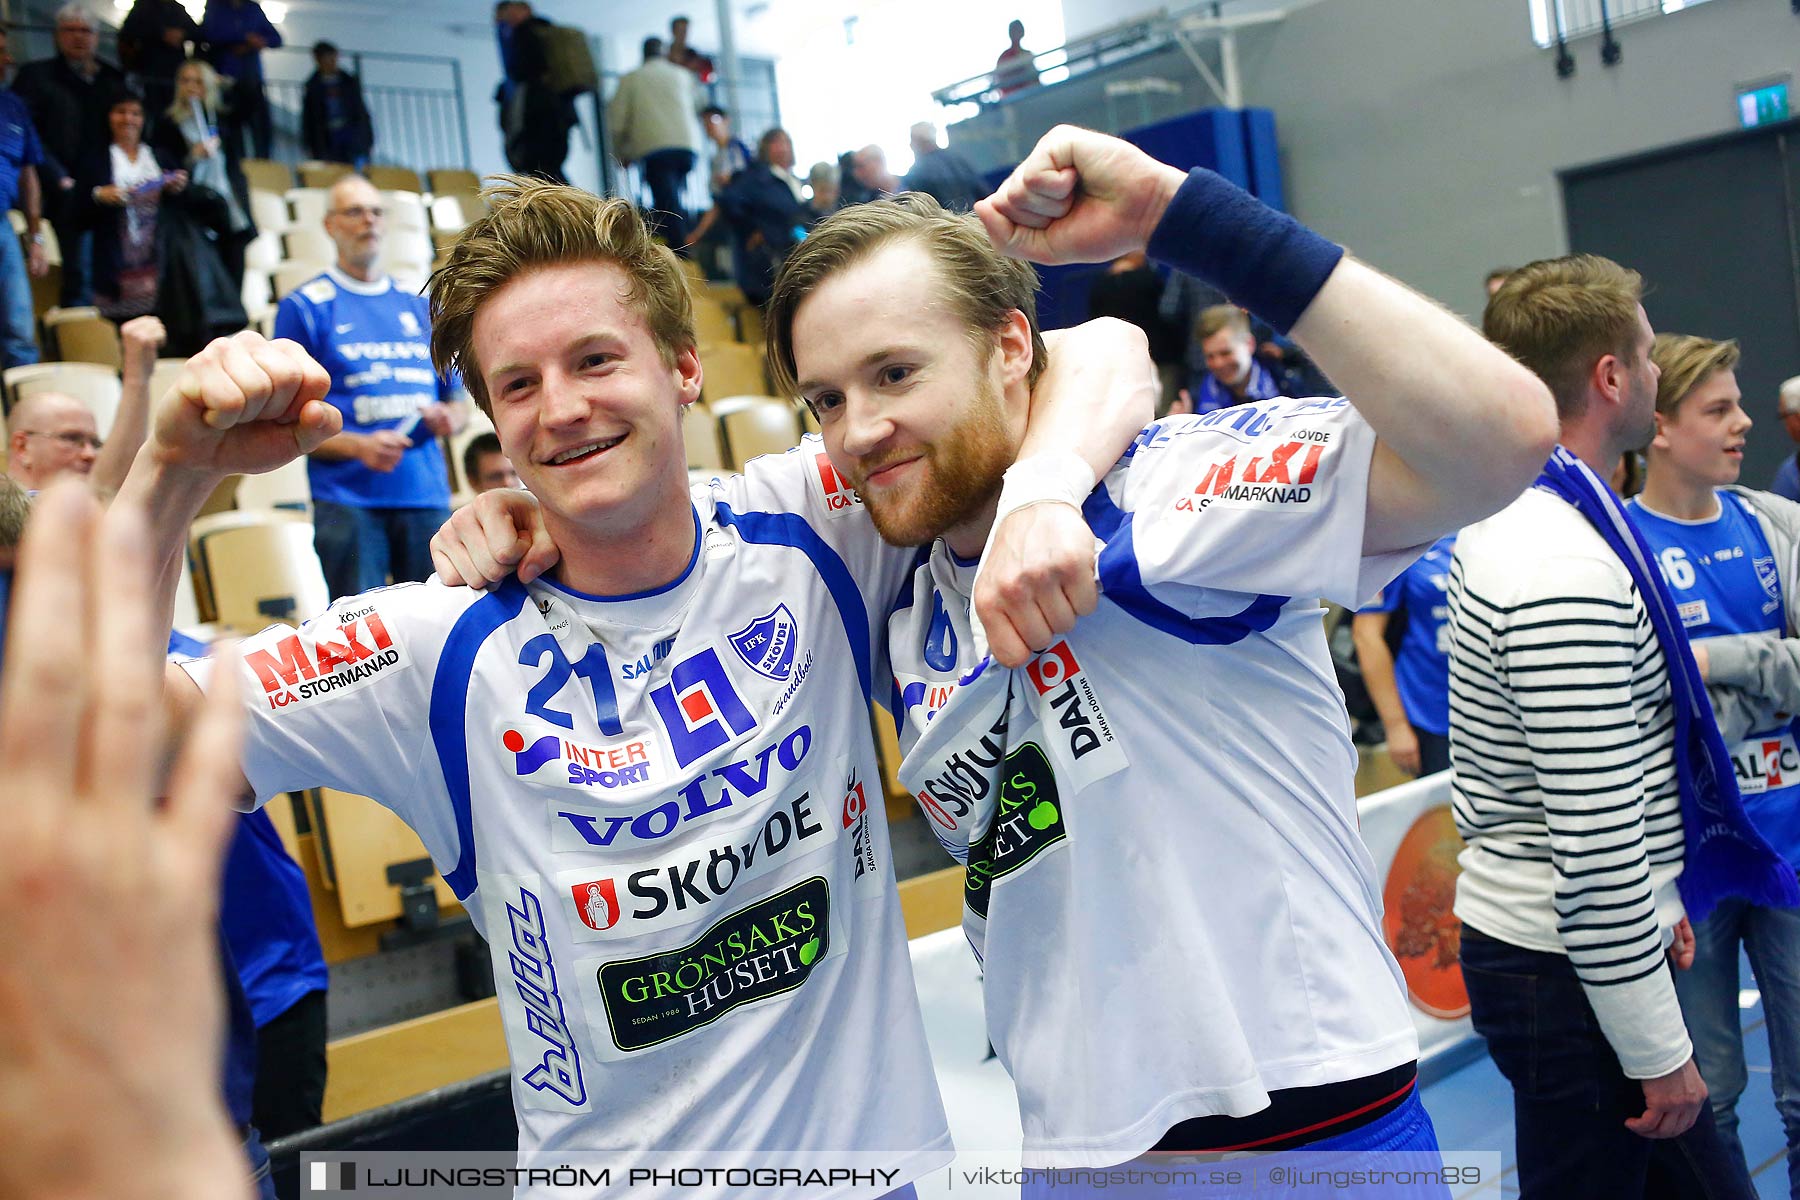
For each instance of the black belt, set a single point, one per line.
(1296, 1116)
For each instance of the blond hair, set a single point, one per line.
(179, 110)
(1558, 316)
(1220, 317)
(1687, 362)
(983, 286)
(532, 224)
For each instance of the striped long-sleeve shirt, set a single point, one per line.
(1562, 738)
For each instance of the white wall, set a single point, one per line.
(1426, 137)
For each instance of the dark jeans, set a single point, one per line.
(250, 114)
(359, 548)
(77, 244)
(665, 171)
(290, 1069)
(1434, 751)
(1570, 1096)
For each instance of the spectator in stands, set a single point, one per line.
(729, 155)
(50, 434)
(236, 33)
(1495, 278)
(334, 121)
(1584, 755)
(1725, 553)
(652, 121)
(69, 96)
(188, 134)
(486, 467)
(870, 178)
(1131, 290)
(20, 154)
(1016, 68)
(54, 434)
(684, 55)
(380, 488)
(120, 185)
(534, 120)
(767, 209)
(942, 173)
(153, 42)
(1410, 687)
(823, 182)
(1786, 483)
(1235, 372)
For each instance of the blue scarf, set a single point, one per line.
(1214, 395)
(1725, 855)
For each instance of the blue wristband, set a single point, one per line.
(1264, 260)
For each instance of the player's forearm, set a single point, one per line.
(1377, 663)
(130, 425)
(1097, 393)
(1472, 424)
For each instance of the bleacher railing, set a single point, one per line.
(1556, 21)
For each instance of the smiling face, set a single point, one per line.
(584, 403)
(921, 422)
(1703, 439)
(126, 120)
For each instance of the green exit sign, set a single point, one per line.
(1763, 104)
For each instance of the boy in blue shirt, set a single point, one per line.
(1724, 551)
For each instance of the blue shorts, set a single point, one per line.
(1392, 1158)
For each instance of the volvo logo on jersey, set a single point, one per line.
(700, 708)
(767, 643)
(762, 950)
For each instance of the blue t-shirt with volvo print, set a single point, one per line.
(1422, 666)
(375, 340)
(1723, 576)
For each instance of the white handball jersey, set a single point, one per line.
(663, 812)
(1165, 883)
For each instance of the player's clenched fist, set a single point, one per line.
(243, 405)
(1079, 196)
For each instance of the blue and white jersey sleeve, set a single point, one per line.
(799, 495)
(1264, 499)
(345, 701)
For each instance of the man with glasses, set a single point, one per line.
(52, 434)
(379, 488)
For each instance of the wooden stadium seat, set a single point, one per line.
(258, 293)
(750, 326)
(389, 178)
(362, 840)
(286, 488)
(93, 384)
(270, 211)
(257, 568)
(307, 243)
(713, 323)
(308, 205)
(264, 251)
(453, 181)
(405, 247)
(88, 340)
(268, 175)
(405, 210)
(289, 275)
(52, 251)
(756, 425)
(700, 430)
(315, 174)
(730, 369)
(447, 214)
